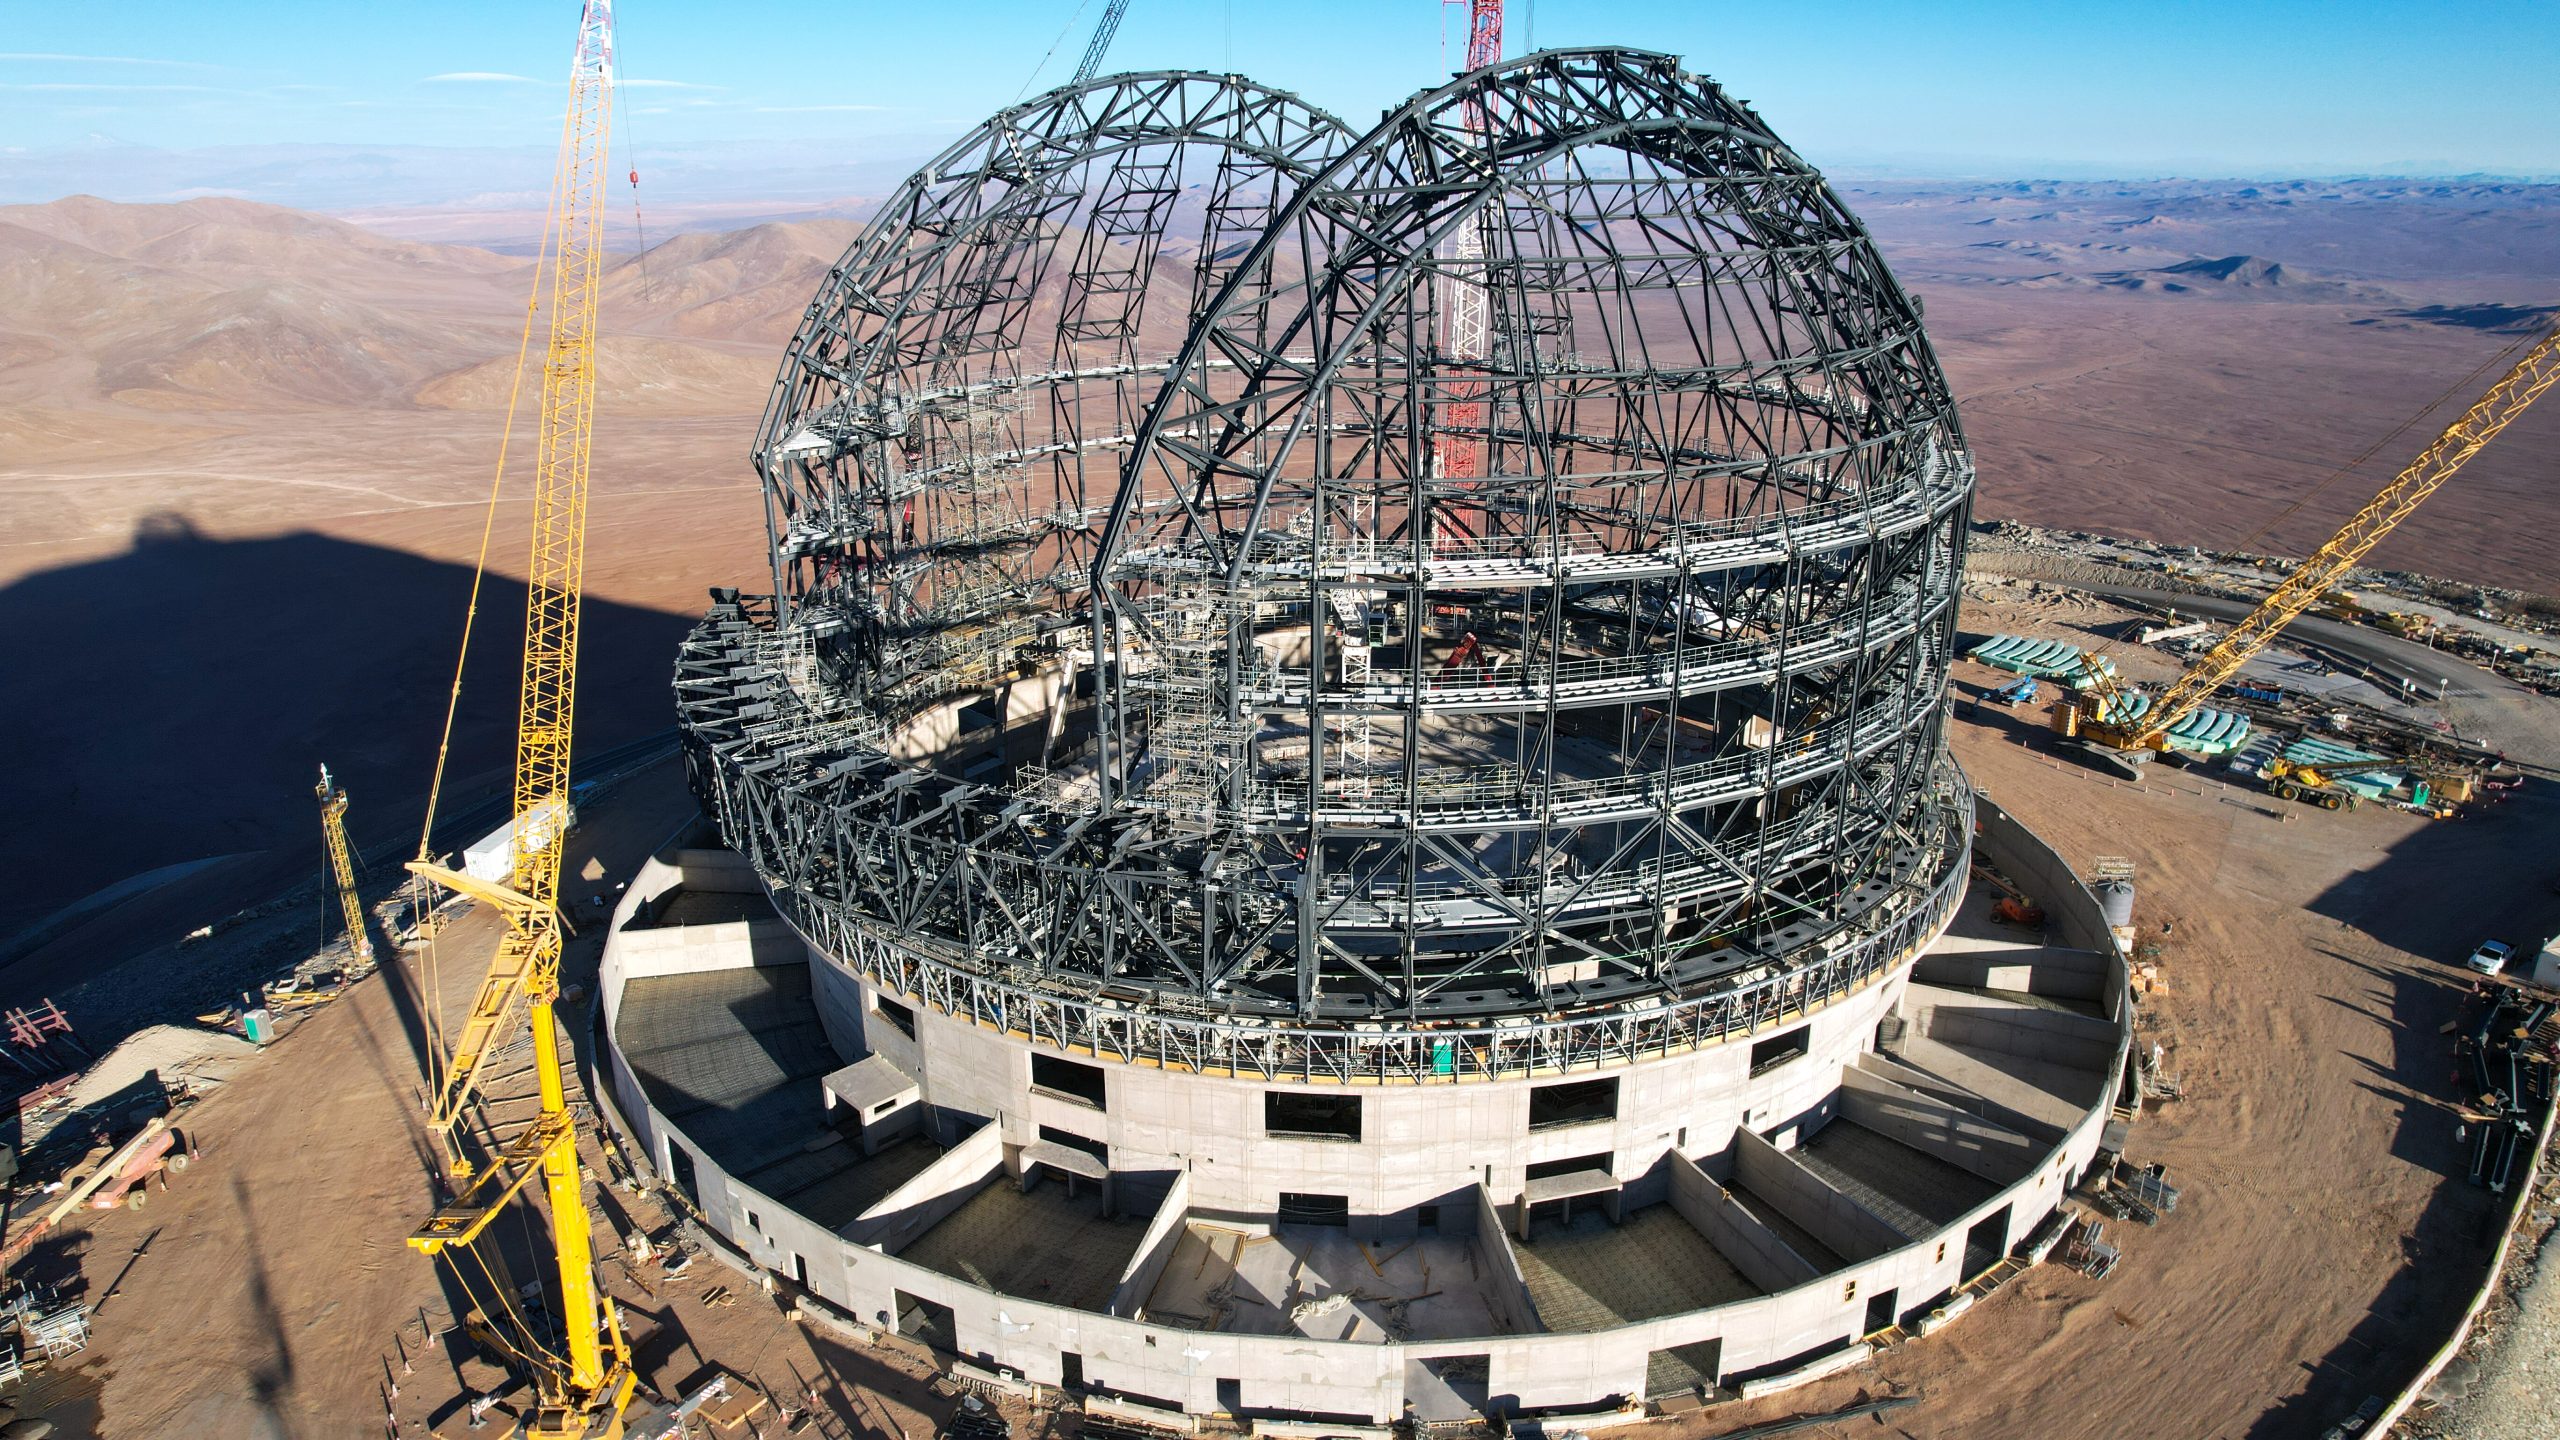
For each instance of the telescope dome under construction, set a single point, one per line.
(1379, 692)
(1408, 577)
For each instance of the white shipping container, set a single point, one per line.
(492, 856)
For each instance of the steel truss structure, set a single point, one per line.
(1135, 676)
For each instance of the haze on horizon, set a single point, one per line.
(321, 106)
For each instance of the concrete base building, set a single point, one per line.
(1339, 808)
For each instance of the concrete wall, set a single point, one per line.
(2034, 969)
(1531, 1371)
(1850, 1229)
(897, 1218)
(1146, 1263)
(2039, 869)
(686, 949)
(2055, 1037)
(1760, 1253)
(1419, 1145)
(1506, 1291)
(1934, 1127)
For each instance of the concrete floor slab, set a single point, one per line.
(1041, 1244)
(1319, 1282)
(734, 1057)
(1911, 1190)
(1587, 1274)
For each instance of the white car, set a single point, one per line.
(2491, 957)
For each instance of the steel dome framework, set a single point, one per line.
(1193, 634)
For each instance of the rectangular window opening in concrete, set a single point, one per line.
(680, 1170)
(1305, 1115)
(1067, 1079)
(927, 1321)
(1299, 1209)
(896, 1014)
(1574, 1102)
(1230, 1396)
(1683, 1370)
(1070, 1370)
(1880, 1314)
(1080, 1143)
(1986, 1242)
(1777, 1050)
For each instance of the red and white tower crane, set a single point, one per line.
(1457, 446)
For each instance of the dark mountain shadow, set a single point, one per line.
(172, 704)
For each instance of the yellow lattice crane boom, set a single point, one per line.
(583, 1392)
(2328, 567)
(342, 863)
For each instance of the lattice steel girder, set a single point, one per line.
(1713, 539)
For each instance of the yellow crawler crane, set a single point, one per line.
(342, 863)
(584, 1389)
(2329, 566)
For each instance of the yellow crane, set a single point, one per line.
(2104, 699)
(584, 1391)
(342, 863)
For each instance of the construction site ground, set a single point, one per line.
(2308, 962)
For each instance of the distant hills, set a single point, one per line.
(227, 304)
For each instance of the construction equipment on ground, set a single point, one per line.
(584, 1385)
(2317, 784)
(342, 863)
(1095, 48)
(2103, 697)
(111, 1175)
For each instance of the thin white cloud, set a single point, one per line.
(665, 85)
(46, 57)
(811, 109)
(479, 77)
(85, 86)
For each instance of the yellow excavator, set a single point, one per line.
(581, 1375)
(2123, 732)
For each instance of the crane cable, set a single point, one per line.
(1051, 53)
(620, 124)
(431, 1006)
(2458, 387)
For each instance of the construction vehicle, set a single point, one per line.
(342, 864)
(2122, 739)
(2318, 785)
(582, 1378)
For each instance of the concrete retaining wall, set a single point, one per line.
(1934, 1127)
(1779, 1332)
(2032, 969)
(1851, 1230)
(1764, 1258)
(2037, 868)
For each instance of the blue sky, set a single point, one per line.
(2063, 87)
